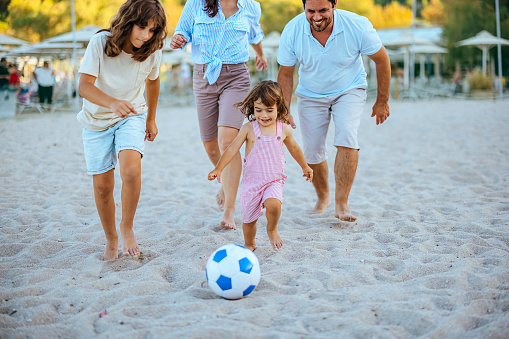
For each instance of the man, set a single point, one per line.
(328, 44)
(44, 77)
(4, 73)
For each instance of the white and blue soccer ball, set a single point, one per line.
(233, 271)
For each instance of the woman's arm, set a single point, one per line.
(261, 60)
(89, 91)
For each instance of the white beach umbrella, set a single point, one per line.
(483, 40)
(10, 41)
(83, 35)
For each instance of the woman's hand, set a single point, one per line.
(261, 62)
(177, 41)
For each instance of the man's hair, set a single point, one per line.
(270, 93)
(3, 59)
(333, 2)
(136, 12)
(45, 63)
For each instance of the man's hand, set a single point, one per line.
(291, 122)
(381, 111)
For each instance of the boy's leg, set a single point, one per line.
(103, 192)
(273, 212)
(130, 172)
(249, 230)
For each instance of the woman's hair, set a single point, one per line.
(211, 7)
(136, 12)
(270, 94)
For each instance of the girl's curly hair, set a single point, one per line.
(270, 94)
(136, 12)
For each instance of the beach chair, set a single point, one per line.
(25, 100)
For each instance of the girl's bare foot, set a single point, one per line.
(129, 244)
(111, 251)
(228, 220)
(275, 240)
(252, 247)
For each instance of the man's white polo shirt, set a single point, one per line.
(336, 67)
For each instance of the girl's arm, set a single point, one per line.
(87, 90)
(296, 153)
(229, 154)
(152, 91)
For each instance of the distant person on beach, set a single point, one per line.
(14, 80)
(328, 43)
(264, 162)
(119, 66)
(4, 73)
(45, 79)
(220, 34)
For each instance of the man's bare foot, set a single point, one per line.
(129, 244)
(275, 240)
(250, 247)
(228, 220)
(321, 206)
(343, 214)
(220, 198)
(111, 251)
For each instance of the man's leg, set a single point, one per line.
(321, 184)
(347, 111)
(344, 172)
(314, 119)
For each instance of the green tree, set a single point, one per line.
(277, 13)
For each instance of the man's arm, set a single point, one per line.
(383, 80)
(285, 79)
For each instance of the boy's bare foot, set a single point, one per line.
(275, 240)
(321, 206)
(252, 247)
(343, 214)
(228, 220)
(220, 198)
(129, 244)
(111, 251)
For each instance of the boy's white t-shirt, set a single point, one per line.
(121, 77)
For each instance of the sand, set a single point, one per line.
(428, 257)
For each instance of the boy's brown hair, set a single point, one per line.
(136, 12)
(270, 94)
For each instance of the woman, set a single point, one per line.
(220, 32)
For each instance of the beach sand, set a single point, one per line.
(428, 256)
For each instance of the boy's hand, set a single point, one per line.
(215, 174)
(308, 173)
(122, 108)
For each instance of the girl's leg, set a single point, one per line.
(231, 175)
(273, 212)
(103, 192)
(249, 230)
(130, 172)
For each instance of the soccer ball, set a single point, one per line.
(233, 271)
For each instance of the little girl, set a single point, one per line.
(264, 161)
(119, 64)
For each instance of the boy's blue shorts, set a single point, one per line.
(102, 147)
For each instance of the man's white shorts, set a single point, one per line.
(315, 115)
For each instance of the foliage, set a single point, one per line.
(276, 14)
(477, 80)
(361, 7)
(392, 15)
(434, 12)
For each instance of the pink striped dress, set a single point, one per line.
(262, 173)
